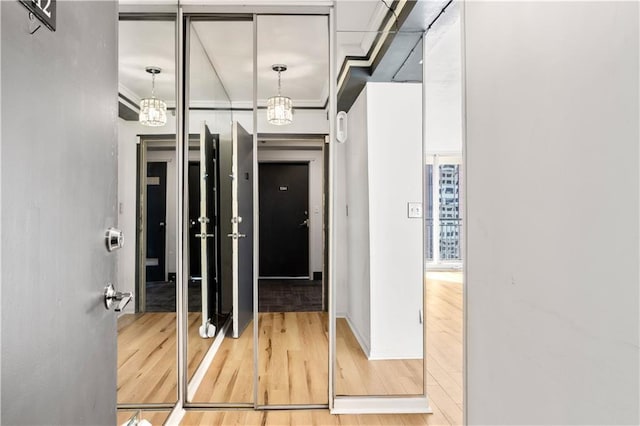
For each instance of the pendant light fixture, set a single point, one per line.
(153, 111)
(279, 108)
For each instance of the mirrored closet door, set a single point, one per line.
(292, 308)
(147, 339)
(219, 177)
(380, 333)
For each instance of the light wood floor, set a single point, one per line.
(147, 356)
(230, 377)
(357, 375)
(293, 363)
(444, 345)
(305, 417)
(293, 358)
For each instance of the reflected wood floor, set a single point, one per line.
(230, 375)
(232, 367)
(147, 356)
(293, 358)
(357, 375)
(444, 344)
(293, 362)
(305, 417)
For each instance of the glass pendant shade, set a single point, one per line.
(153, 112)
(279, 110)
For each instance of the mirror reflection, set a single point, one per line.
(220, 229)
(379, 283)
(147, 370)
(292, 298)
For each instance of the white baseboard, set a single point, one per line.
(198, 376)
(379, 357)
(364, 344)
(381, 405)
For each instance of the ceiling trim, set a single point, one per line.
(378, 65)
(399, 8)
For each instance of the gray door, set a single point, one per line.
(59, 187)
(242, 203)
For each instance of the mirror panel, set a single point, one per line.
(292, 303)
(147, 364)
(379, 271)
(444, 209)
(219, 83)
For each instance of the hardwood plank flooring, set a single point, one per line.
(230, 377)
(443, 301)
(356, 375)
(293, 351)
(147, 356)
(293, 363)
(304, 417)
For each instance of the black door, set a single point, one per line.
(209, 201)
(156, 220)
(284, 219)
(194, 225)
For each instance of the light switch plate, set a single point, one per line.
(415, 210)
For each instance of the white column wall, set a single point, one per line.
(381, 168)
(357, 224)
(552, 159)
(394, 128)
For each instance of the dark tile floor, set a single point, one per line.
(161, 296)
(289, 296)
(273, 296)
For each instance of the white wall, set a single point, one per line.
(395, 179)
(382, 172)
(358, 295)
(316, 213)
(552, 157)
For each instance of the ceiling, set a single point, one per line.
(221, 63)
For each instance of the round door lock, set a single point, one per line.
(114, 239)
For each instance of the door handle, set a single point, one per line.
(203, 236)
(118, 298)
(305, 223)
(235, 236)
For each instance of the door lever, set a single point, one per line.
(111, 297)
(305, 223)
(235, 236)
(203, 236)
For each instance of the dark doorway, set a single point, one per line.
(284, 220)
(194, 226)
(156, 220)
